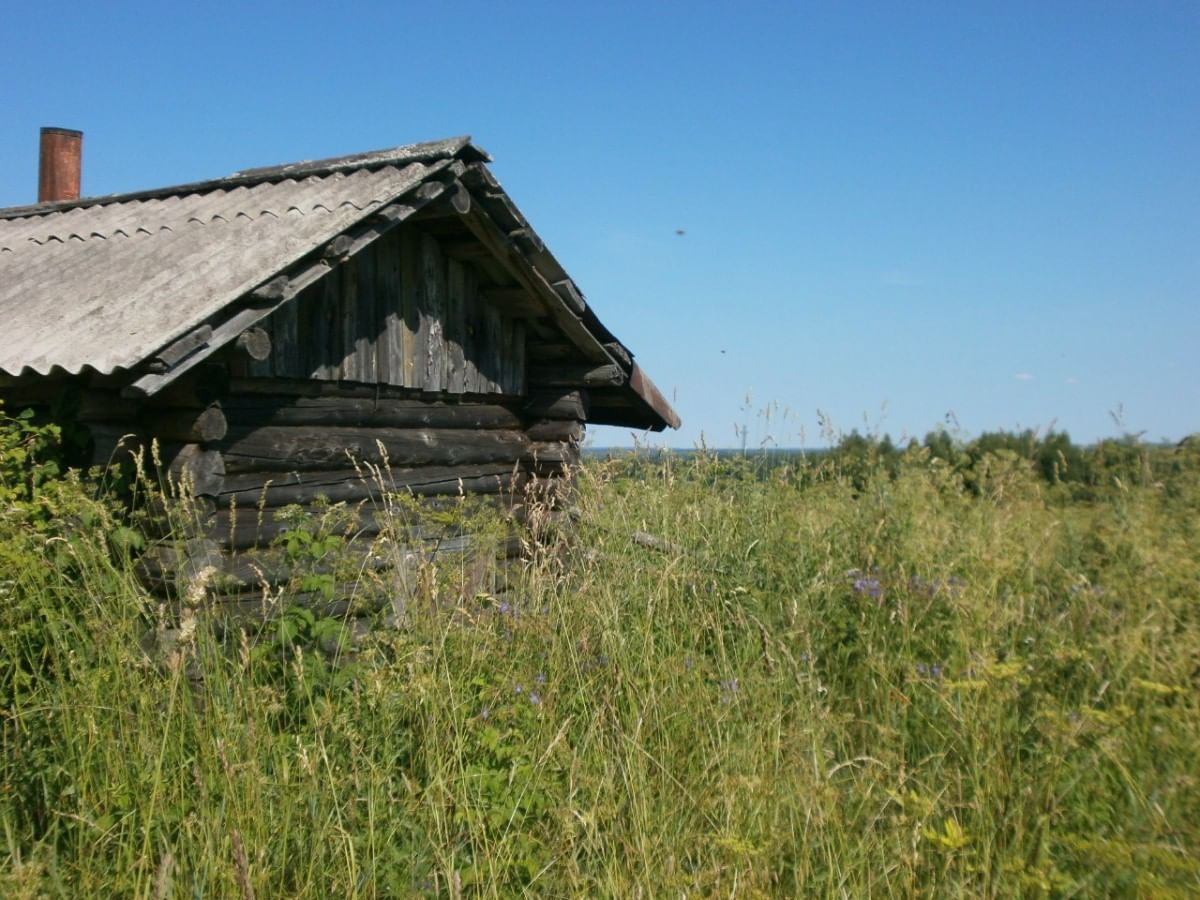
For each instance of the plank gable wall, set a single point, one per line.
(399, 312)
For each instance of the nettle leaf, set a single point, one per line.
(325, 629)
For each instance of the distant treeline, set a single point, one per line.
(1052, 455)
(1080, 469)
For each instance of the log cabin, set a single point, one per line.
(272, 331)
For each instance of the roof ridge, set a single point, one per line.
(459, 147)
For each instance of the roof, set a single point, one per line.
(104, 284)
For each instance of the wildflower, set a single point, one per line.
(518, 689)
(688, 663)
(504, 608)
(485, 712)
(868, 586)
(535, 698)
(540, 678)
(922, 669)
(935, 670)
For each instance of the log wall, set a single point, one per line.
(249, 447)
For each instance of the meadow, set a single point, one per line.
(866, 674)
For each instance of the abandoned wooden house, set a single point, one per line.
(272, 328)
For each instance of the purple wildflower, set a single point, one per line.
(485, 712)
(540, 678)
(868, 586)
(504, 608)
(535, 698)
(518, 689)
(935, 670)
(922, 669)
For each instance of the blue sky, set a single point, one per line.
(893, 213)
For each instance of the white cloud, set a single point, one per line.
(1023, 376)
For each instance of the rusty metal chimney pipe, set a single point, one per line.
(59, 165)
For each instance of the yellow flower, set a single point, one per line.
(951, 837)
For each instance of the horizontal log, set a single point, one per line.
(558, 404)
(350, 598)
(114, 443)
(455, 200)
(254, 343)
(556, 430)
(527, 240)
(570, 295)
(169, 567)
(618, 352)
(349, 485)
(271, 293)
(194, 469)
(175, 518)
(284, 448)
(552, 452)
(242, 612)
(586, 376)
(364, 411)
(175, 565)
(106, 406)
(253, 528)
(302, 387)
(176, 352)
(187, 425)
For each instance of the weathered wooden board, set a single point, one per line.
(285, 341)
(456, 327)
(391, 308)
(368, 321)
(416, 341)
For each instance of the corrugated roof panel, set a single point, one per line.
(105, 286)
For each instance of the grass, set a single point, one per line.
(880, 685)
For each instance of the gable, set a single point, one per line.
(400, 312)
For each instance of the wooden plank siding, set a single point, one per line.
(401, 312)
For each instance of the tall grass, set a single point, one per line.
(813, 684)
